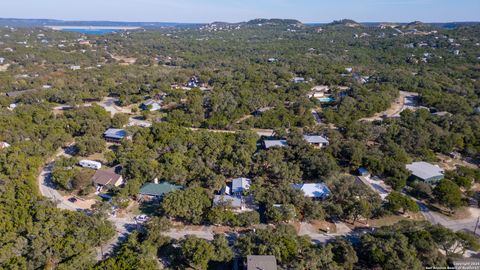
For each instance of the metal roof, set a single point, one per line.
(115, 133)
(256, 262)
(153, 189)
(240, 184)
(273, 143)
(315, 190)
(315, 139)
(232, 201)
(424, 170)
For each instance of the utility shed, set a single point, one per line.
(257, 262)
(425, 172)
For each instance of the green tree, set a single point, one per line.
(223, 251)
(119, 120)
(88, 145)
(196, 252)
(448, 194)
(397, 201)
(190, 204)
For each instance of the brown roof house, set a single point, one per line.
(106, 179)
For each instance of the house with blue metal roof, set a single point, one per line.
(115, 135)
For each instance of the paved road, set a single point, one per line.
(47, 188)
(467, 224)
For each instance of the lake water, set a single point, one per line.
(89, 31)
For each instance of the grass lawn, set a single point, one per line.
(388, 220)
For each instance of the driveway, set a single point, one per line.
(467, 224)
(204, 232)
(108, 103)
(124, 226)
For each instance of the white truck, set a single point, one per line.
(90, 164)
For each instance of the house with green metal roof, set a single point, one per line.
(152, 191)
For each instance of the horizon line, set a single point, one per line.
(173, 22)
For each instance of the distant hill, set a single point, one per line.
(12, 22)
(285, 22)
(345, 22)
(256, 23)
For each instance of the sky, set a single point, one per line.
(204, 11)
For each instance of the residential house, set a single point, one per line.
(261, 262)
(274, 143)
(73, 67)
(115, 135)
(261, 111)
(425, 172)
(319, 91)
(316, 140)
(106, 179)
(20, 92)
(229, 201)
(272, 60)
(240, 185)
(193, 82)
(4, 145)
(2, 60)
(151, 105)
(298, 80)
(314, 190)
(156, 191)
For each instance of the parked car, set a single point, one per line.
(141, 218)
(72, 199)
